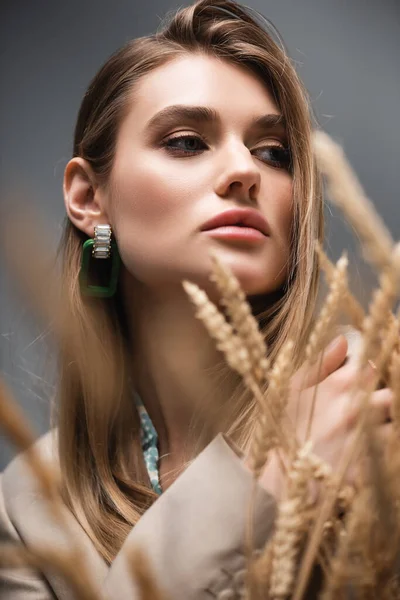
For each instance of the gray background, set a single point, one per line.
(347, 52)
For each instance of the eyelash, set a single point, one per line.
(285, 161)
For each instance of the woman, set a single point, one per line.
(205, 117)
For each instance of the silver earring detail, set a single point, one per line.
(102, 241)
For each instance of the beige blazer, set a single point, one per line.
(193, 535)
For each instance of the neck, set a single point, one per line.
(176, 369)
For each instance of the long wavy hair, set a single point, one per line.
(105, 482)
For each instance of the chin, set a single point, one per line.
(256, 282)
(252, 285)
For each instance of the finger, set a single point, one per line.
(327, 362)
(381, 406)
(345, 378)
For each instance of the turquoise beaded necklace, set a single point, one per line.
(149, 441)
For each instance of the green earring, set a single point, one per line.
(106, 275)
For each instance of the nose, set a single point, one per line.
(240, 177)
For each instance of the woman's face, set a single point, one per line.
(173, 172)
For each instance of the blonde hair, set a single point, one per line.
(105, 482)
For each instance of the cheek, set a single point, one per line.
(149, 201)
(280, 209)
(146, 195)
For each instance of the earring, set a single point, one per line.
(101, 247)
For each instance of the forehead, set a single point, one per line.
(192, 79)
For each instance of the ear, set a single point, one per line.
(84, 201)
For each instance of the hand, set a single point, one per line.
(336, 412)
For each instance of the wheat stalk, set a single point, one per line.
(380, 315)
(13, 556)
(242, 319)
(143, 576)
(290, 524)
(326, 318)
(395, 385)
(320, 331)
(275, 401)
(14, 425)
(377, 244)
(232, 346)
(379, 306)
(220, 330)
(347, 193)
(345, 573)
(350, 304)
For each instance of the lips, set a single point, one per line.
(241, 217)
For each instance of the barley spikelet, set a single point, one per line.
(276, 398)
(347, 193)
(350, 304)
(290, 525)
(242, 319)
(337, 288)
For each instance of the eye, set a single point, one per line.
(184, 144)
(277, 156)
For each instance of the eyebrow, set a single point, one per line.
(203, 114)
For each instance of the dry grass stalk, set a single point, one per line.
(40, 282)
(29, 262)
(327, 506)
(350, 568)
(37, 278)
(241, 317)
(390, 339)
(323, 325)
(367, 556)
(350, 304)
(275, 401)
(324, 515)
(290, 524)
(361, 393)
(379, 315)
(376, 319)
(295, 516)
(346, 192)
(143, 576)
(232, 346)
(326, 318)
(13, 423)
(378, 480)
(373, 321)
(220, 330)
(49, 558)
(243, 348)
(394, 371)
